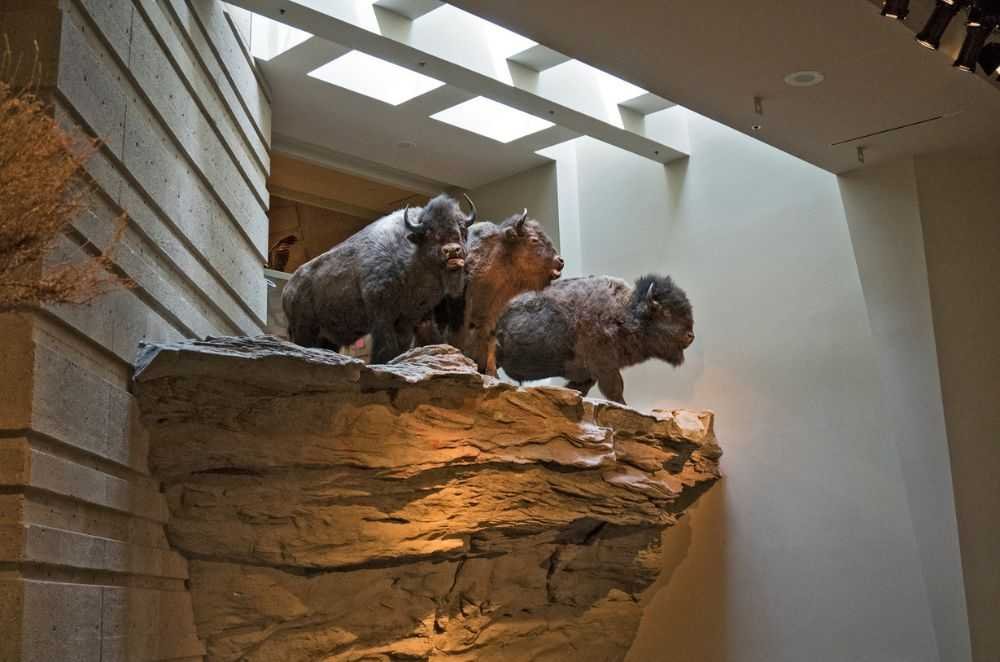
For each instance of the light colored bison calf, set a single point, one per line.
(382, 280)
(588, 329)
(502, 261)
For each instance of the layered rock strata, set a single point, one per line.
(333, 510)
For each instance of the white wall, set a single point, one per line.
(883, 214)
(805, 551)
(533, 189)
(960, 212)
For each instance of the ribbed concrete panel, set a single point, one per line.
(235, 62)
(184, 124)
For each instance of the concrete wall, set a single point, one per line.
(535, 189)
(960, 213)
(806, 550)
(87, 570)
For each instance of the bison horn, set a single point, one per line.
(649, 292)
(472, 205)
(519, 223)
(412, 227)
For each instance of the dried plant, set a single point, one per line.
(43, 189)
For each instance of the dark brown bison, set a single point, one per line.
(502, 261)
(382, 280)
(588, 329)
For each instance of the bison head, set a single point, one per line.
(439, 231)
(664, 314)
(531, 250)
(516, 250)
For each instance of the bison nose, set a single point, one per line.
(454, 255)
(560, 263)
(688, 339)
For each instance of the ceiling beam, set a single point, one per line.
(337, 23)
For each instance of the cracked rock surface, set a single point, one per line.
(418, 510)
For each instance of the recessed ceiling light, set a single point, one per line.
(491, 119)
(269, 38)
(804, 78)
(375, 78)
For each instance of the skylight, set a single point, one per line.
(269, 39)
(617, 90)
(491, 119)
(375, 78)
(501, 41)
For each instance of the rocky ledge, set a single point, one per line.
(333, 510)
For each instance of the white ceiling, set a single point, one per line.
(324, 122)
(715, 57)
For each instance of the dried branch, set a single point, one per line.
(43, 189)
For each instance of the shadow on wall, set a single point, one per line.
(688, 608)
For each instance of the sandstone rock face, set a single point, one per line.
(332, 510)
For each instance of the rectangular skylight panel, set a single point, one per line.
(617, 90)
(269, 39)
(375, 78)
(492, 119)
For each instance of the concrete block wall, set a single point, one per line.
(86, 572)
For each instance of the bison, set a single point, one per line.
(382, 280)
(588, 329)
(502, 261)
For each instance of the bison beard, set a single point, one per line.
(587, 329)
(381, 280)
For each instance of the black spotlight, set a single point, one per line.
(972, 47)
(944, 11)
(976, 16)
(982, 12)
(897, 9)
(989, 58)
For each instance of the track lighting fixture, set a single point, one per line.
(897, 9)
(975, 39)
(989, 58)
(983, 20)
(984, 15)
(944, 11)
(983, 12)
(976, 15)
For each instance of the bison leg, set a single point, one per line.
(305, 335)
(427, 333)
(582, 386)
(491, 357)
(404, 339)
(612, 385)
(385, 343)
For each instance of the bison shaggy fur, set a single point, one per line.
(382, 280)
(587, 329)
(503, 260)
